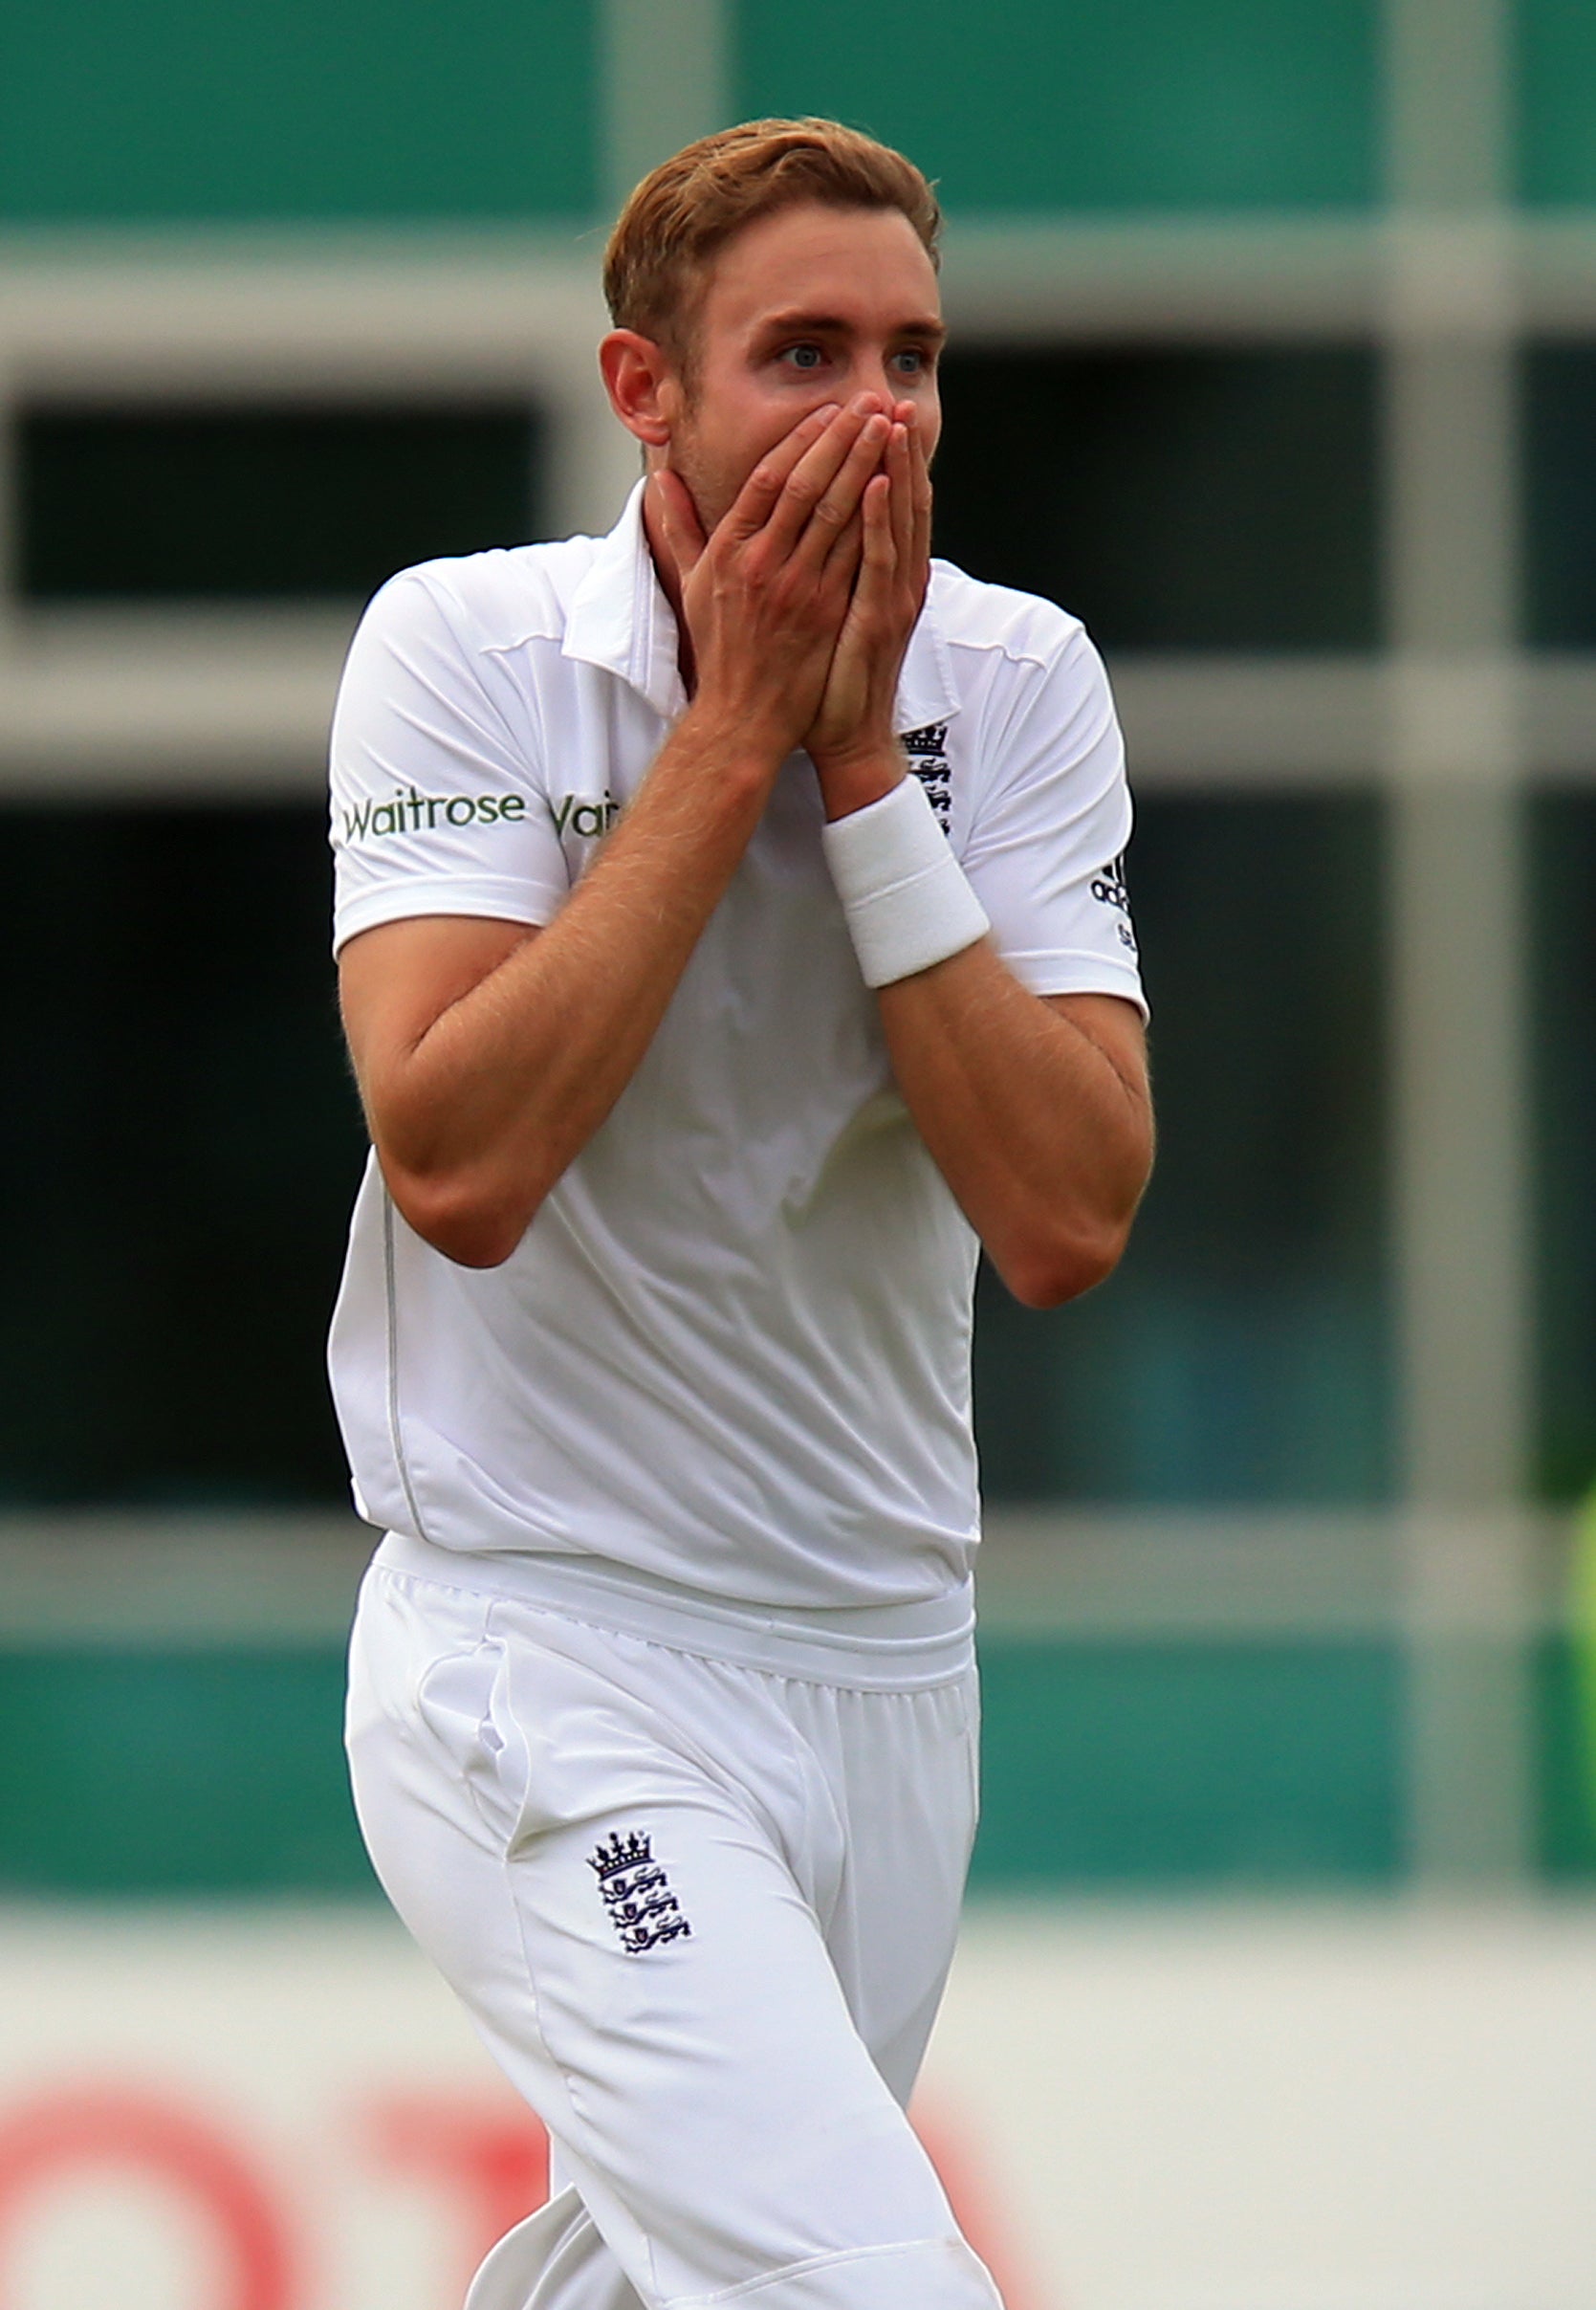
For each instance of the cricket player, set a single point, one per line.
(731, 938)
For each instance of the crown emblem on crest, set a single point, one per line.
(932, 738)
(621, 1853)
(636, 1892)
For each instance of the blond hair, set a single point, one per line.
(686, 209)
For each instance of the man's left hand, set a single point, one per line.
(852, 741)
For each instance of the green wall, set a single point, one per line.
(1151, 1765)
(1122, 1765)
(1556, 102)
(401, 111)
(134, 1770)
(180, 111)
(188, 1769)
(1219, 105)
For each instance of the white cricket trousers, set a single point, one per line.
(702, 1914)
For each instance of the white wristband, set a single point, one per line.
(904, 892)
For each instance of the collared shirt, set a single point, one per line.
(733, 1348)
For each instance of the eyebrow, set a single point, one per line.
(832, 324)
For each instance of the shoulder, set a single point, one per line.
(998, 622)
(1013, 653)
(490, 602)
(461, 638)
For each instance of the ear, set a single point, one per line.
(639, 378)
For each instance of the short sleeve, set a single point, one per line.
(1049, 823)
(437, 798)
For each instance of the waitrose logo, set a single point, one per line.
(581, 816)
(418, 813)
(413, 812)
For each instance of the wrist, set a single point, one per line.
(905, 897)
(853, 777)
(756, 742)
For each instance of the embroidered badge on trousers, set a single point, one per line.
(636, 1891)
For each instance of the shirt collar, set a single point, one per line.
(621, 619)
(927, 694)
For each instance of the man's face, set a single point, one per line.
(810, 305)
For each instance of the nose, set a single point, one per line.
(874, 380)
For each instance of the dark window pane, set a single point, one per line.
(251, 503)
(1560, 496)
(183, 1148)
(1194, 499)
(1242, 1353)
(1563, 854)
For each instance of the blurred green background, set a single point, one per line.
(1274, 358)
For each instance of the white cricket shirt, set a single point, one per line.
(732, 1352)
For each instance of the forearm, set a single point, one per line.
(1044, 1131)
(483, 1112)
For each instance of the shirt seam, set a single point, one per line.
(396, 1434)
(474, 647)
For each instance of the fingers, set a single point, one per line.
(869, 573)
(917, 541)
(826, 481)
(841, 562)
(878, 554)
(803, 493)
(920, 487)
(810, 530)
(912, 499)
(760, 493)
(902, 487)
(684, 535)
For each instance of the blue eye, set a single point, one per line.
(911, 361)
(805, 356)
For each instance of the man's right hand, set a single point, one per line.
(765, 595)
